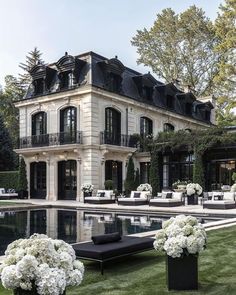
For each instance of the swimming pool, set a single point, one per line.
(74, 225)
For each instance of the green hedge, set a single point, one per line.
(9, 179)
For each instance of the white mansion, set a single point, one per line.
(78, 118)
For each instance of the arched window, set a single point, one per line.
(168, 127)
(68, 125)
(39, 123)
(146, 127)
(112, 126)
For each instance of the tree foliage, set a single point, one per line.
(225, 79)
(33, 58)
(10, 114)
(154, 171)
(180, 47)
(7, 156)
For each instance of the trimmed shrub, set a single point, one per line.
(22, 180)
(9, 179)
(130, 181)
(108, 184)
(154, 172)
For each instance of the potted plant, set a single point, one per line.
(144, 187)
(40, 266)
(22, 180)
(87, 189)
(182, 238)
(193, 191)
(108, 184)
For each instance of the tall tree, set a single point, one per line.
(32, 59)
(7, 156)
(180, 47)
(130, 177)
(226, 77)
(12, 92)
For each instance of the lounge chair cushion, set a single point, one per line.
(136, 195)
(108, 193)
(229, 196)
(101, 194)
(218, 198)
(132, 200)
(220, 202)
(106, 238)
(160, 200)
(127, 245)
(97, 198)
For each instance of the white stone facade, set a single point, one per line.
(90, 156)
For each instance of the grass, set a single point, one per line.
(2, 204)
(144, 274)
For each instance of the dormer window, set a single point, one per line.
(69, 68)
(169, 101)
(114, 82)
(39, 86)
(145, 84)
(207, 115)
(188, 108)
(112, 72)
(42, 77)
(147, 92)
(66, 80)
(168, 127)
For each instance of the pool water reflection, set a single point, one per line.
(71, 225)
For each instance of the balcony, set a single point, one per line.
(120, 139)
(50, 139)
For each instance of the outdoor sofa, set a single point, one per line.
(220, 200)
(102, 197)
(4, 195)
(136, 198)
(105, 252)
(168, 199)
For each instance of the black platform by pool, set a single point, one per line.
(110, 251)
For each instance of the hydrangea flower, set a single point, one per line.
(87, 188)
(180, 236)
(194, 188)
(144, 187)
(41, 262)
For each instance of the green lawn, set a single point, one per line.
(144, 274)
(2, 204)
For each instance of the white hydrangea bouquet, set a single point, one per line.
(180, 236)
(144, 187)
(193, 188)
(40, 264)
(87, 188)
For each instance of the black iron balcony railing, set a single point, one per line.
(50, 139)
(118, 139)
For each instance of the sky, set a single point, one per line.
(76, 26)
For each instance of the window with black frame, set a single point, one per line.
(168, 127)
(39, 129)
(144, 172)
(112, 134)
(68, 125)
(146, 126)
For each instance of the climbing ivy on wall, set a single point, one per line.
(196, 141)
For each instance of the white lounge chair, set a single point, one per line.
(102, 197)
(5, 195)
(221, 200)
(136, 198)
(168, 199)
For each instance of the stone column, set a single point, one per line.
(102, 175)
(48, 178)
(52, 180)
(79, 196)
(27, 163)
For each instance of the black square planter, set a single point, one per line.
(192, 200)
(182, 273)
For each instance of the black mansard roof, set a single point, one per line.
(70, 72)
